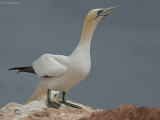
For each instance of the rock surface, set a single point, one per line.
(37, 110)
(126, 112)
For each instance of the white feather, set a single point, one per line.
(50, 65)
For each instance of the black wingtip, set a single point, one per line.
(14, 68)
(28, 69)
(10, 69)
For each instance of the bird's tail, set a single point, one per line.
(28, 69)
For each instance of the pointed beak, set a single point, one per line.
(107, 11)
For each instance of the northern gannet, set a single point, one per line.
(59, 72)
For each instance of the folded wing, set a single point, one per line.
(49, 66)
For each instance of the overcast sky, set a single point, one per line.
(125, 49)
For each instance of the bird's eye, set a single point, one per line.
(99, 11)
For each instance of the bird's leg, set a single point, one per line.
(51, 104)
(66, 103)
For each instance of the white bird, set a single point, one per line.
(61, 72)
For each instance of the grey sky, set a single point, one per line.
(125, 49)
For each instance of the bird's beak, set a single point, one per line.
(107, 11)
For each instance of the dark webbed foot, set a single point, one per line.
(51, 104)
(68, 104)
(71, 105)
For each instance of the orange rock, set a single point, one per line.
(126, 112)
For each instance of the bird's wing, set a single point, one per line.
(49, 65)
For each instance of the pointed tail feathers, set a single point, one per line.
(28, 69)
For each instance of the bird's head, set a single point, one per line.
(93, 18)
(97, 15)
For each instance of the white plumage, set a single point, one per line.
(50, 65)
(60, 72)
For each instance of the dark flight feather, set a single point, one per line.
(28, 69)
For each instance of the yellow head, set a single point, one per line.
(97, 15)
(92, 19)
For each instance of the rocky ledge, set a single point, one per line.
(37, 110)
